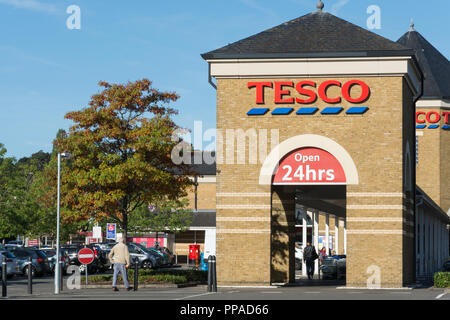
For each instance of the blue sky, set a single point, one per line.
(47, 70)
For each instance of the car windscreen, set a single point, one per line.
(26, 254)
(40, 253)
(8, 254)
(50, 253)
(140, 246)
(146, 250)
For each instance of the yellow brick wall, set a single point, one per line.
(375, 142)
(206, 196)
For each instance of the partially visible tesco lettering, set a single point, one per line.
(283, 94)
(432, 117)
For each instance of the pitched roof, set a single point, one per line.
(318, 34)
(435, 66)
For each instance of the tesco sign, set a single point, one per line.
(309, 91)
(309, 166)
(432, 117)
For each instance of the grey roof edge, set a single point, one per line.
(435, 98)
(389, 53)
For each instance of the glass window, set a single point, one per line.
(131, 249)
(8, 254)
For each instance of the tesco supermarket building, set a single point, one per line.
(347, 108)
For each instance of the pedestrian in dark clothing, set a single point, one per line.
(309, 256)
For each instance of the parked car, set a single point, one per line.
(12, 266)
(16, 243)
(101, 257)
(298, 258)
(51, 255)
(106, 245)
(147, 258)
(40, 265)
(333, 267)
(72, 254)
(167, 256)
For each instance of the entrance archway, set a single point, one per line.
(312, 173)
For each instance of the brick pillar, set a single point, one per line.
(282, 234)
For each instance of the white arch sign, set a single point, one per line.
(271, 163)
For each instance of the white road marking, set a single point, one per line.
(196, 295)
(313, 292)
(441, 295)
(271, 292)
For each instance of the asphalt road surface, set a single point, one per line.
(43, 289)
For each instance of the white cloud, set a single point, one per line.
(337, 6)
(31, 5)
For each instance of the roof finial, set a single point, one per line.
(320, 5)
(411, 26)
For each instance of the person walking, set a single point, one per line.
(120, 257)
(309, 256)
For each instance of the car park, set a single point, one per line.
(12, 266)
(148, 259)
(168, 257)
(165, 259)
(51, 255)
(333, 267)
(101, 258)
(16, 243)
(40, 265)
(72, 254)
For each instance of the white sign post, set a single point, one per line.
(97, 232)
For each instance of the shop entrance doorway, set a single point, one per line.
(320, 220)
(309, 177)
(314, 214)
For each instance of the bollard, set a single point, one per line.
(210, 274)
(212, 280)
(61, 277)
(214, 274)
(136, 275)
(30, 276)
(4, 284)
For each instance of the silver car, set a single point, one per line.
(12, 266)
(147, 259)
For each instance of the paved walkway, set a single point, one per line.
(43, 289)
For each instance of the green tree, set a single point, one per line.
(121, 154)
(161, 216)
(12, 222)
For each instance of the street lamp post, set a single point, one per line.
(57, 265)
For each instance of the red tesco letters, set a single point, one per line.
(432, 117)
(282, 93)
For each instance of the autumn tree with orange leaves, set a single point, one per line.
(120, 150)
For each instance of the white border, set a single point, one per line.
(318, 67)
(271, 163)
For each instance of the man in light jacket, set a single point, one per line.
(120, 257)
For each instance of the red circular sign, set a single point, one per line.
(86, 256)
(309, 166)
